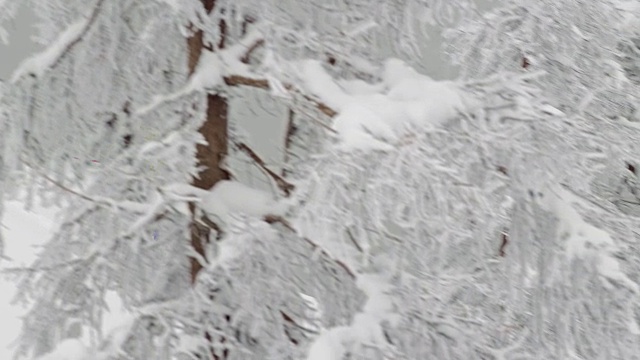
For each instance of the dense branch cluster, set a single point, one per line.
(493, 217)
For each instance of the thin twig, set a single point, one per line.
(285, 186)
(353, 240)
(247, 55)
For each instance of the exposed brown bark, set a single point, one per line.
(223, 34)
(247, 56)
(210, 155)
(288, 140)
(195, 44)
(503, 245)
(248, 20)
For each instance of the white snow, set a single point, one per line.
(585, 240)
(175, 5)
(360, 87)
(208, 73)
(40, 63)
(22, 231)
(359, 124)
(318, 82)
(374, 116)
(361, 28)
(70, 349)
(227, 198)
(365, 328)
(551, 110)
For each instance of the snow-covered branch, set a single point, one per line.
(40, 63)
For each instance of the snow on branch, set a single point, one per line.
(227, 198)
(121, 205)
(582, 238)
(229, 67)
(50, 57)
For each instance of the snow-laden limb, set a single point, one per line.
(155, 208)
(208, 74)
(584, 240)
(318, 82)
(366, 328)
(213, 69)
(178, 191)
(40, 63)
(577, 55)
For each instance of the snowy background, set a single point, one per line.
(24, 230)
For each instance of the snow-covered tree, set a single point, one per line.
(579, 44)
(413, 218)
(145, 88)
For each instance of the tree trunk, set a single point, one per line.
(209, 156)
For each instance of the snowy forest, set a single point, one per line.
(493, 215)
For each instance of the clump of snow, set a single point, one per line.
(360, 87)
(359, 124)
(551, 110)
(374, 116)
(208, 73)
(228, 198)
(395, 71)
(41, 62)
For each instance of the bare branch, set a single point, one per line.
(285, 186)
(354, 241)
(245, 58)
